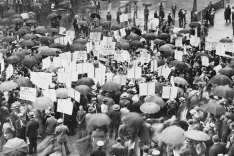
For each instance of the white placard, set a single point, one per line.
(28, 94)
(46, 63)
(79, 55)
(178, 55)
(145, 58)
(147, 88)
(9, 71)
(205, 61)
(178, 42)
(50, 93)
(122, 32)
(153, 65)
(65, 106)
(169, 92)
(134, 73)
(95, 36)
(107, 49)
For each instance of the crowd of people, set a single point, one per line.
(111, 110)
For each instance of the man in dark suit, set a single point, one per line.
(217, 148)
(108, 18)
(31, 133)
(118, 149)
(115, 116)
(76, 26)
(20, 126)
(50, 124)
(99, 151)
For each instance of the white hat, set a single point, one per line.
(100, 143)
(59, 121)
(20, 114)
(135, 98)
(155, 152)
(192, 111)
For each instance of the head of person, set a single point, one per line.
(20, 115)
(94, 100)
(105, 100)
(100, 144)
(81, 107)
(216, 139)
(31, 115)
(60, 121)
(118, 140)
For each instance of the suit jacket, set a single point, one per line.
(217, 149)
(108, 18)
(115, 117)
(20, 129)
(98, 152)
(51, 123)
(231, 151)
(31, 129)
(61, 131)
(117, 150)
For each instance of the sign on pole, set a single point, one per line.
(65, 106)
(28, 94)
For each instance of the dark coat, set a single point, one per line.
(108, 18)
(115, 117)
(227, 13)
(98, 152)
(20, 129)
(118, 150)
(217, 149)
(75, 26)
(31, 129)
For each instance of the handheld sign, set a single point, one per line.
(28, 94)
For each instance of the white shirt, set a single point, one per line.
(104, 108)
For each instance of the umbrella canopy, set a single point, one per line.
(202, 54)
(116, 27)
(227, 71)
(17, 20)
(178, 64)
(147, 4)
(24, 82)
(223, 91)
(133, 36)
(194, 24)
(180, 81)
(197, 135)
(48, 52)
(44, 38)
(213, 108)
(83, 89)
(226, 40)
(95, 15)
(156, 99)
(158, 42)
(220, 79)
(85, 81)
(110, 86)
(5, 21)
(29, 36)
(53, 30)
(52, 16)
(4, 51)
(31, 22)
(8, 86)
(56, 45)
(184, 31)
(42, 103)
(97, 120)
(149, 108)
(149, 36)
(13, 59)
(133, 119)
(27, 43)
(29, 61)
(172, 135)
(166, 50)
(15, 147)
(136, 44)
(41, 31)
(123, 45)
(163, 36)
(21, 32)
(61, 93)
(160, 62)
(9, 39)
(158, 87)
(136, 31)
(77, 47)
(80, 41)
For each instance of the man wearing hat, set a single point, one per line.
(115, 116)
(217, 148)
(20, 126)
(50, 124)
(118, 149)
(99, 151)
(62, 131)
(31, 133)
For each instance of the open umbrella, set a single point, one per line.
(42, 103)
(149, 108)
(197, 135)
(9, 39)
(53, 30)
(213, 108)
(156, 99)
(13, 59)
(29, 61)
(41, 31)
(227, 71)
(149, 36)
(77, 47)
(44, 38)
(158, 42)
(226, 40)
(4, 51)
(202, 54)
(24, 82)
(194, 24)
(15, 147)
(97, 120)
(166, 50)
(29, 36)
(133, 36)
(83, 89)
(56, 45)
(21, 32)
(172, 135)
(160, 62)
(136, 31)
(110, 86)
(61, 93)
(178, 64)
(27, 43)
(220, 79)
(133, 119)
(5, 21)
(17, 20)
(163, 36)
(223, 91)
(116, 27)
(80, 41)
(52, 16)
(95, 15)
(184, 31)
(85, 81)
(31, 21)
(123, 45)
(8, 86)
(147, 4)
(48, 52)
(136, 44)
(180, 81)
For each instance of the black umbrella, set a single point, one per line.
(95, 15)
(136, 31)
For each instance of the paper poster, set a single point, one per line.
(50, 93)
(121, 18)
(46, 63)
(107, 49)
(125, 17)
(145, 58)
(134, 73)
(217, 68)
(176, 30)
(100, 74)
(62, 30)
(230, 47)
(28, 94)
(9, 71)
(25, 15)
(122, 32)
(147, 88)
(152, 45)
(208, 46)
(43, 80)
(120, 79)
(153, 24)
(57, 62)
(178, 42)
(169, 92)
(107, 39)
(2, 66)
(178, 55)
(65, 106)
(205, 61)
(161, 70)
(74, 94)
(95, 36)
(153, 65)
(166, 72)
(220, 49)
(89, 46)
(79, 55)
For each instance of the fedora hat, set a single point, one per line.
(116, 107)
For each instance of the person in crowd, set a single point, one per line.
(146, 16)
(97, 3)
(109, 18)
(118, 149)
(180, 15)
(50, 124)
(118, 13)
(227, 14)
(169, 19)
(80, 118)
(99, 151)
(218, 147)
(115, 116)
(20, 126)
(61, 132)
(173, 9)
(31, 133)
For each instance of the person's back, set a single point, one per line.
(50, 125)
(61, 132)
(118, 149)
